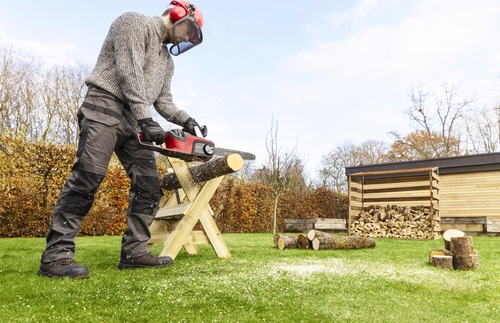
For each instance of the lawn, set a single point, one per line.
(391, 283)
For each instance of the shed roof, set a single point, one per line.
(448, 165)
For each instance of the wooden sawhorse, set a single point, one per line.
(177, 215)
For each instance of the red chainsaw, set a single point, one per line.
(185, 146)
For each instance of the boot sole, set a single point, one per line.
(123, 266)
(76, 276)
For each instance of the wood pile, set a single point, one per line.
(459, 252)
(319, 240)
(396, 222)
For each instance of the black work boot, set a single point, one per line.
(147, 260)
(61, 268)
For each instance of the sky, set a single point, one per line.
(326, 72)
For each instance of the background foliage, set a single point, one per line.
(32, 175)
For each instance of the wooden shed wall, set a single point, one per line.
(470, 195)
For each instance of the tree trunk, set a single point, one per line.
(206, 171)
(275, 211)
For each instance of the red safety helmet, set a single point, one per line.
(187, 22)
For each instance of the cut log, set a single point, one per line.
(450, 233)
(462, 246)
(439, 252)
(466, 262)
(302, 242)
(203, 172)
(342, 242)
(445, 262)
(315, 233)
(287, 242)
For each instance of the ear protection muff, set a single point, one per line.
(178, 12)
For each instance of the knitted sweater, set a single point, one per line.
(137, 68)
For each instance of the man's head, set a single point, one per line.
(186, 23)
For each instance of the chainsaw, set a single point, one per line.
(185, 146)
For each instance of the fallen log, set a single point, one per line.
(203, 172)
(285, 242)
(342, 242)
(442, 261)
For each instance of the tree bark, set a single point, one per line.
(206, 171)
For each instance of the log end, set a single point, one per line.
(235, 162)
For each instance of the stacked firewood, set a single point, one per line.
(319, 240)
(458, 252)
(396, 222)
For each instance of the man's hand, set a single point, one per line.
(152, 131)
(190, 127)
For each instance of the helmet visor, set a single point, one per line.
(187, 34)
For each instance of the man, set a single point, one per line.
(133, 71)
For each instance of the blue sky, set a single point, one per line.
(328, 71)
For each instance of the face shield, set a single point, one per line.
(186, 34)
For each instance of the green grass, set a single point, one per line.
(391, 283)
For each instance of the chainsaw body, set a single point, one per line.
(182, 145)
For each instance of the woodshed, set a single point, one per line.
(456, 192)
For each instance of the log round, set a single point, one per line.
(450, 233)
(466, 262)
(439, 252)
(203, 172)
(462, 246)
(445, 262)
(315, 233)
(302, 242)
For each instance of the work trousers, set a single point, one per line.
(106, 126)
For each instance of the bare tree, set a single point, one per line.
(441, 116)
(483, 131)
(283, 171)
(39, 102)
(332, 174)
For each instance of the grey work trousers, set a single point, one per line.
(106, 126)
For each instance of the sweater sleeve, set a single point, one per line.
(166, 106)
(129, 44)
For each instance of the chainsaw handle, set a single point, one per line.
(201, 131)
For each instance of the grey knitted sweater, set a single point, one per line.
(137, 68)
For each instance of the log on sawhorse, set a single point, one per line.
(177, 215)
